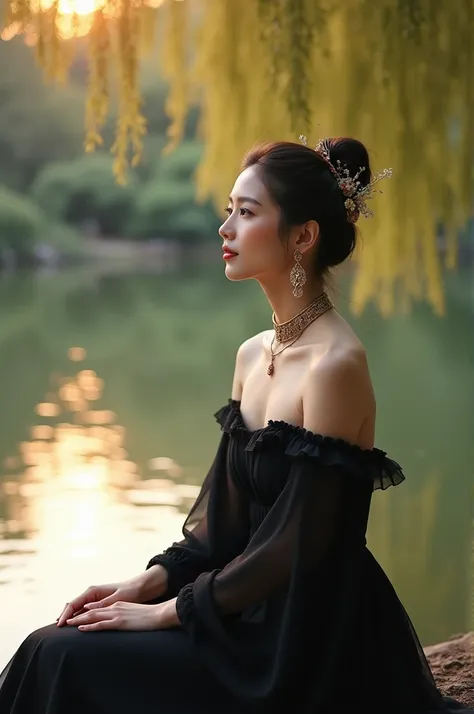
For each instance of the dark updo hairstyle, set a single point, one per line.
(301, 183)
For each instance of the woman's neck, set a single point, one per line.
(285, 305)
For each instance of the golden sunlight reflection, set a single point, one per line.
(73, 18)
(76, 354)
(75, 508)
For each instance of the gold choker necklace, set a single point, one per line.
(292, 329)
(295, 326)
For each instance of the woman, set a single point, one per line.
(272, 601)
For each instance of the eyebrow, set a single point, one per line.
(245, 199)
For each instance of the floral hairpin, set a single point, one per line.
(355, 193)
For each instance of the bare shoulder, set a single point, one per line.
(342, 360)
(338, 399)
(343, 354)
(251, 347)
(249, 351)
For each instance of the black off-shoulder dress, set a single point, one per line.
(282, 606)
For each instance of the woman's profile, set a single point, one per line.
(272, 601)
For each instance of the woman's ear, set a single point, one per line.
(307, 236)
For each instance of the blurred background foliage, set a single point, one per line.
(52, 193)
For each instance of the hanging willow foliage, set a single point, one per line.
(396, 74)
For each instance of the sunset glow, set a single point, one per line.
(74, 7)
(74, 17)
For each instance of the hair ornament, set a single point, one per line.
(356, 195)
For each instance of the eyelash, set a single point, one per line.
(246, 211)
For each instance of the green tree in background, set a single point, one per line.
(84, 192)
(42, 161)
(167, 201)
(39, 123)
(21, 223)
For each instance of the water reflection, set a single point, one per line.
(67, 499)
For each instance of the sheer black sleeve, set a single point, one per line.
(298, 534)
(215, 530)
(323, 505)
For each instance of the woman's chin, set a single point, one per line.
(232, 272)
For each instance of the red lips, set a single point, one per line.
(228, 253)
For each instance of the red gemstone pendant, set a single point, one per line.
(270, 369)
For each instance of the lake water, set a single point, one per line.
(109, 383)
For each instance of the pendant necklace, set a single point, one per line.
(292, 329)
(271, 368)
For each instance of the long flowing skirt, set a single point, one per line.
(66, 671)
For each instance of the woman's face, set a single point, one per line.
(251, 231)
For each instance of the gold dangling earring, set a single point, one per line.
(297, 275)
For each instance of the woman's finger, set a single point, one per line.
(100, 603)
(91, 616)
(77, 605)
(67, 612)
(101, 625)
(105, 602)
(72, 608)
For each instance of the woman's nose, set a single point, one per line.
(226, 231)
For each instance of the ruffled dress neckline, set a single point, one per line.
(297, 440)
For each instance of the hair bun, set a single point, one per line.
(352, 154)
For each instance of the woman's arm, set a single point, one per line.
(152, 583)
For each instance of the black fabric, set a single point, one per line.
(215, 531)
(282, 605)
(65, 671)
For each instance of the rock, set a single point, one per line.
(452, 664)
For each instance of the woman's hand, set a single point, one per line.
(99, 596)
(127, 616)
(146, 586)
(119, 616)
